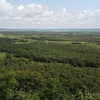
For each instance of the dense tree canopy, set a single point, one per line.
(45, 67)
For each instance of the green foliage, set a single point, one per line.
(54, 67)
(79, 55)
(53, 90)
(29, 81)
(2, 55)
(86, 96)
(9, 56)
(7, 86)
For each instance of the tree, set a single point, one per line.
(53, 90)
(7, 86)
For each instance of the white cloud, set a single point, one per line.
(39, 16)
(5, 8)
(20, 7)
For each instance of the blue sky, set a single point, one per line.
(69, 4)
(49, 13)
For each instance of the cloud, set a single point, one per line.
(20, 7)
(39, 16)
(5, 7)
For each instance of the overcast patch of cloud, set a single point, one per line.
(39, 16)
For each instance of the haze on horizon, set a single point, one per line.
(49, 14)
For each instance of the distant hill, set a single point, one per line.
(59, 29)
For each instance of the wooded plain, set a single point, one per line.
(50, 65)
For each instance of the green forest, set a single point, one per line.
(50, 65)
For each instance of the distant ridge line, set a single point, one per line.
(56, 29)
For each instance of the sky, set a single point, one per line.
(48, 14)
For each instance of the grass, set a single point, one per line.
(2, 55)
(2, 36)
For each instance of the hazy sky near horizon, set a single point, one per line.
(49, 14)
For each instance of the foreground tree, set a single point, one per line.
(7, 86)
